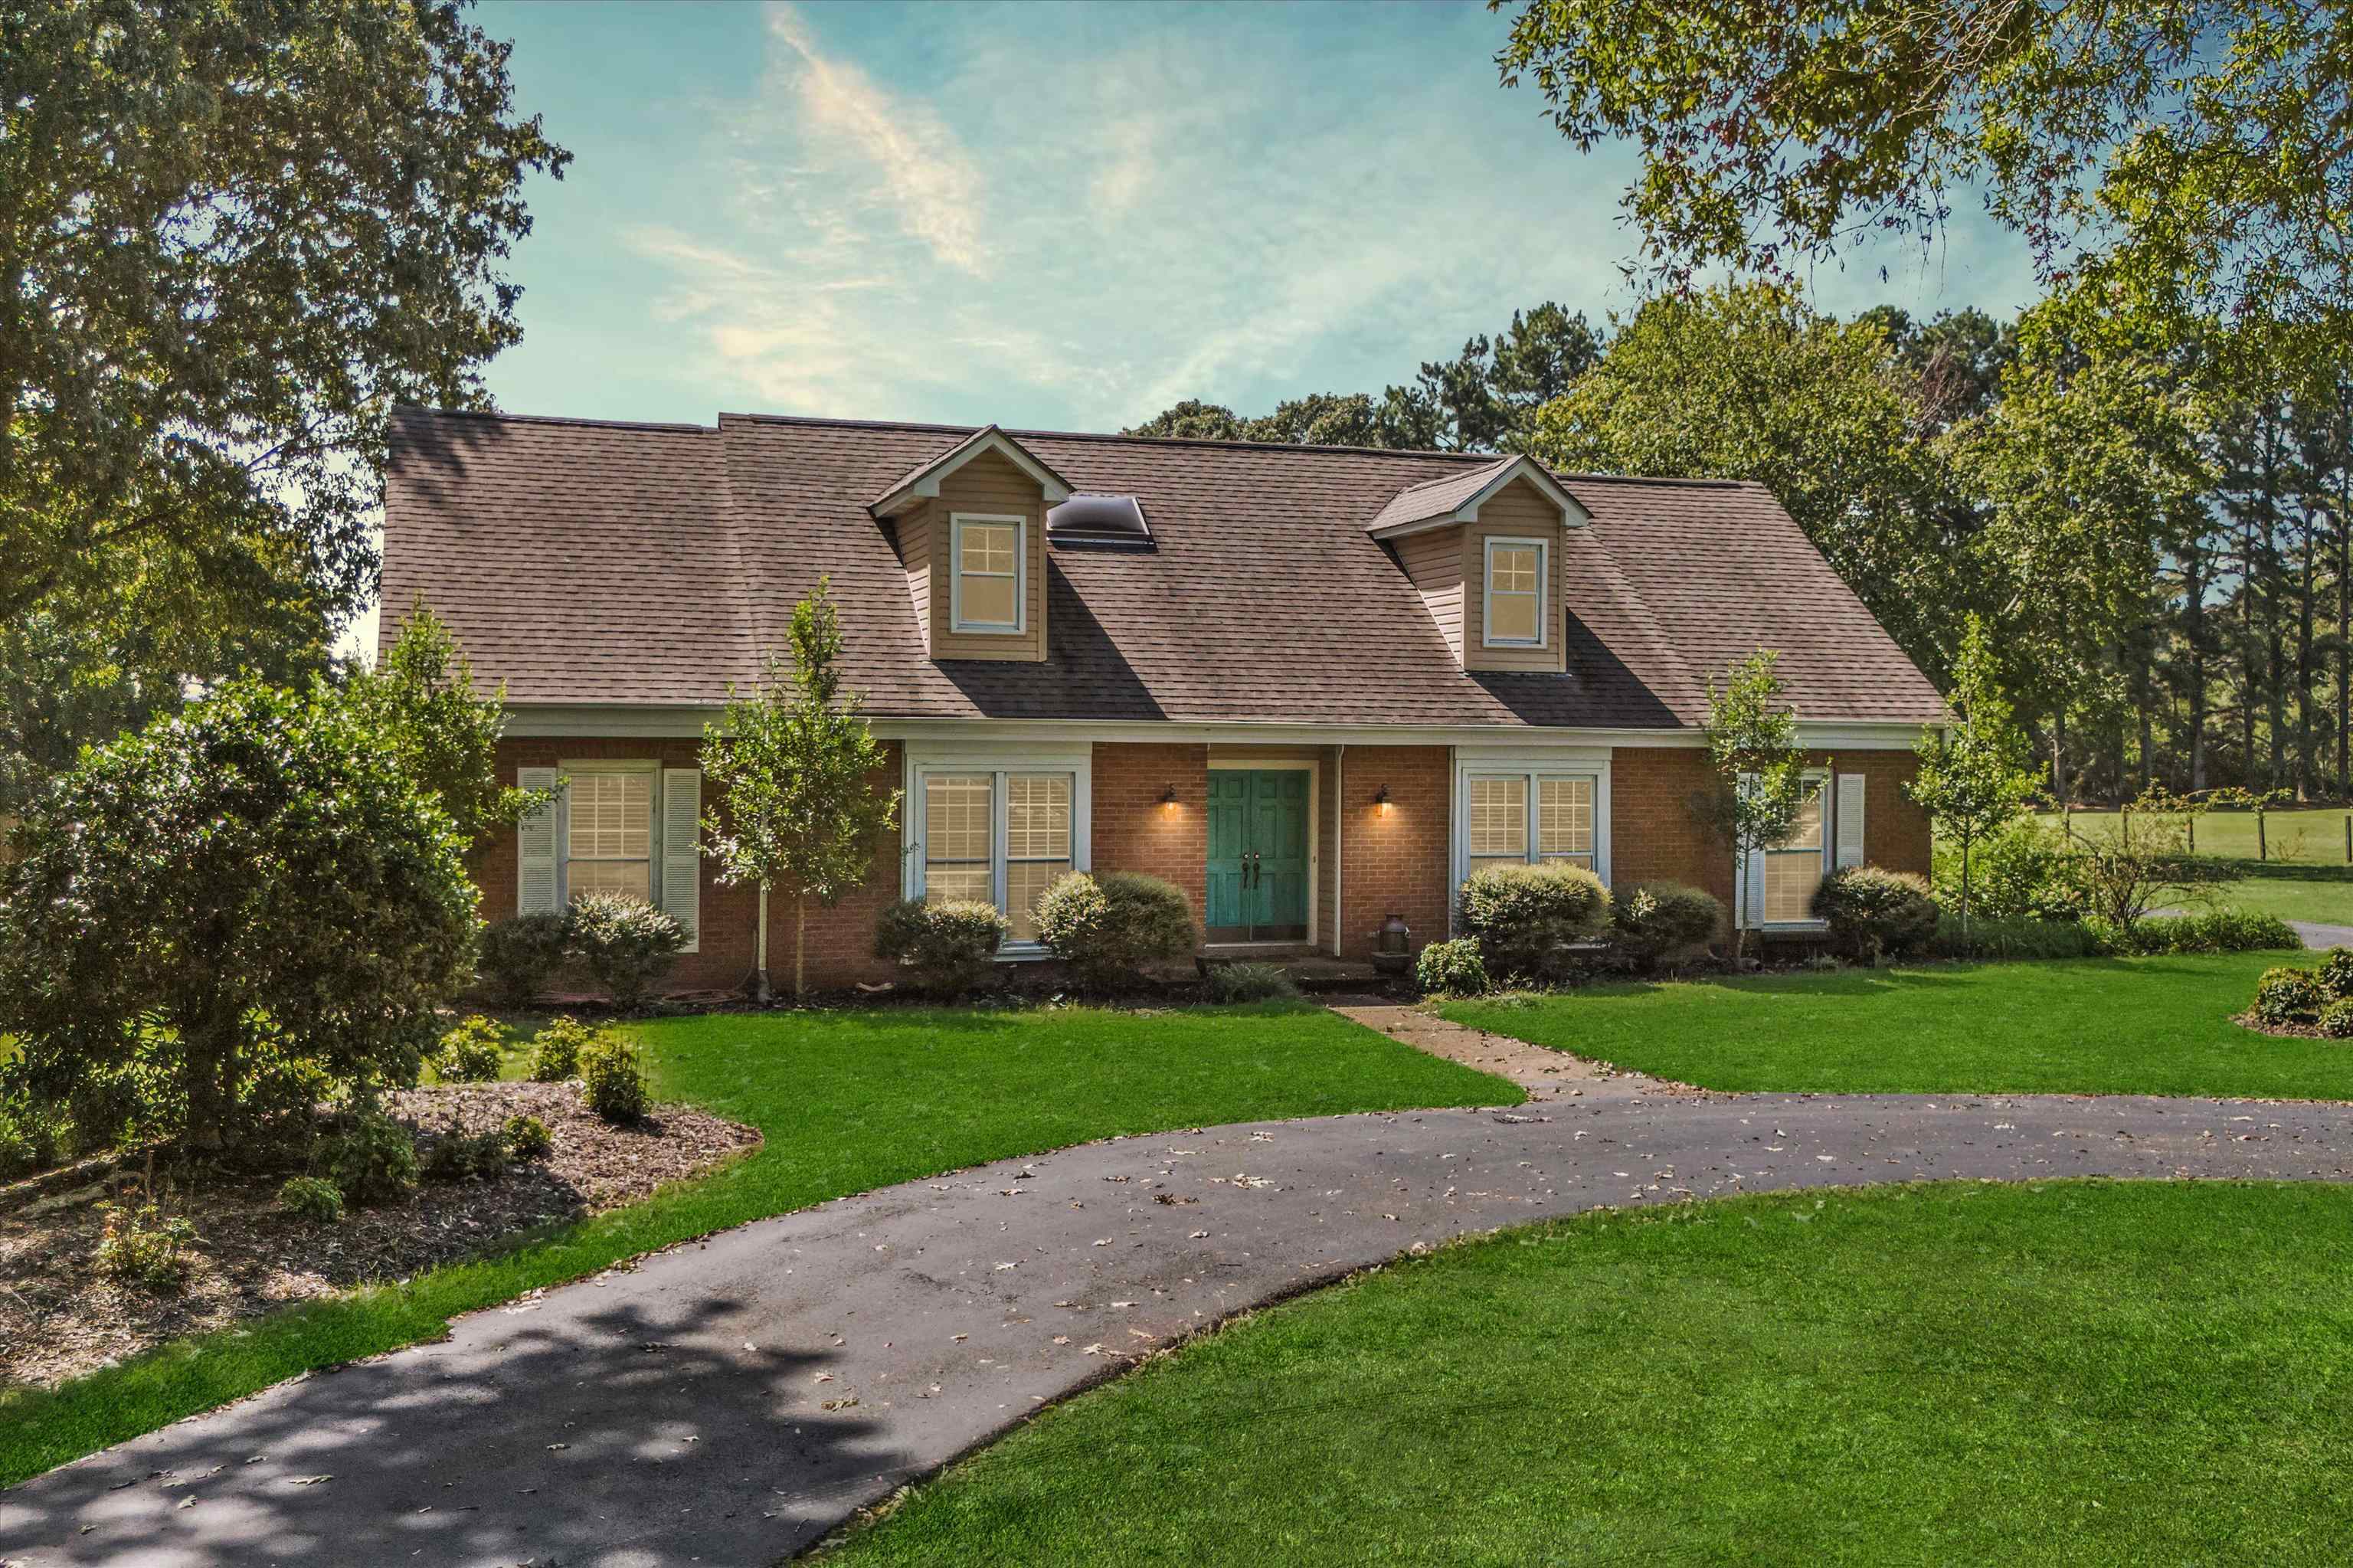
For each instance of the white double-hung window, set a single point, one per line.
(1778, 883)
(627, 827)
(1532, 812)
(987, 555)
(995, 831)
(1514, 613)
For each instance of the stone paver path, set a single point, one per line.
(1546, 1074)
(731, 1401)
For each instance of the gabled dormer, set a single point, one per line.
(1484, 548)
(970, 527)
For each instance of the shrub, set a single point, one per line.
(461, 1156)
(556, 1050)
(1451, 968)
(374, 1161)
(2013, 937)
(2336, 974)
(613, 1081)
(1250, 982)
(527, 1138)
(1104, 926)
(951, 947)
(2287, 995)
(2335, 1020)
(311, 1197)
(144, 1246)
(1524, 918)
(1653, 920)
(1873, 912)
(2218, 931)
(624, 943)
(32, 1134)
(470, 1053)
(268, 841)
(518, 954)
(2024, 872)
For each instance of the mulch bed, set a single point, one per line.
(59, 1318)
(2286, 1030)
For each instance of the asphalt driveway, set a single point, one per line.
(731, 1401)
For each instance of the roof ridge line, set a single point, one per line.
(501, 414)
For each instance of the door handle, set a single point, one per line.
(1250, 869)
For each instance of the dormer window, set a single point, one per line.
(1515, 593)
(985, 591)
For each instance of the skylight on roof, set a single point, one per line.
(1092, 516)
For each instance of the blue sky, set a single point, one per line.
(1058, 215)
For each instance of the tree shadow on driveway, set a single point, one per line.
(606, 1435)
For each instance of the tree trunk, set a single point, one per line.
(800, 945)
(2058, 757)
(762, 992)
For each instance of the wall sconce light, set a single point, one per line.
(1381, 800)
(1168, 798)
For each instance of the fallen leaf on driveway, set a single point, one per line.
(314, 1480)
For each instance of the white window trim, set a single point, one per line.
(1472, 765)
(1315, 772)
(1820, 779)
(923, 761)
(568, 771)
(1487, 638)
(956, 520)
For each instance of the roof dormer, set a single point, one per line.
(1485, 549)
(970, 527)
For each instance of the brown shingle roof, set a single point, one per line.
(581, 562)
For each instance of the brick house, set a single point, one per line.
(1310, 686)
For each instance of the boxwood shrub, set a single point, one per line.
(1653, 920)
(2216, 931)
(2336, 974)
(613, 1080)
(1526, 918)
(2287, 995)
(470, 1051)
(2337, 1019)
(556, 1049)
(626, 943)
(1106, 925)
(951, 947)
(1451, 968)
(1873, 912)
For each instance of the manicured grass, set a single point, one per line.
(2062, 1373)
(2154, 1026)
(2293, 892)
(849, 1101)
(2314, 835)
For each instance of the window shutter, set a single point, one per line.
(536, 891)
(1850, 819)
(682, 862)
(1752, 876)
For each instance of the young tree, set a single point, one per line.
(252, 896)
(792, 772)
(1752, 741)
(1973, 780)
(420, 697)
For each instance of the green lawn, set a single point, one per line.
(847, 1101)
(2066, 1372)
(2292, 891)
(2155, 1026)
(2314, 835)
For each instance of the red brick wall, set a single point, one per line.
(1133, 831)
(1399, 860)
(840, 940)
(1654, 836)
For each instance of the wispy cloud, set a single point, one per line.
(913, 159)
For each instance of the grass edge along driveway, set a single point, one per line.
(847, 1102)
(2109, 1026)
(2088, 1373)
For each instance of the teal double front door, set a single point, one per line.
(1258, 854)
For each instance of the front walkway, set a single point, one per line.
(731, 1401)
